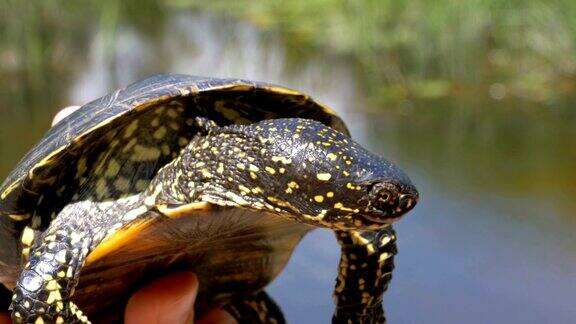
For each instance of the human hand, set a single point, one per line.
(169, 299)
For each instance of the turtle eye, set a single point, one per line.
(383, 195)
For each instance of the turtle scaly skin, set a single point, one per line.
(228, 202)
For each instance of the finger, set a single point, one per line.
(63, 114)
(217, 316)
(167, 300)
(5, 318)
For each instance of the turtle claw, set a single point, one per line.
(205, 125)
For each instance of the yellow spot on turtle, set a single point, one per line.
(165, 149)
(145, 153)
(159, 133)
(244, 189)
(101, 188)
(53, 296)
(112, 169)
(141, 185)
(39, 320)
(293, 185)
(338, 205)
(52, 285)
(270, 170)
(220, 168)
(81, 167)
(348, 162)
(182, 141)
(385, 240)
(150, 200)
(240, 166)
(129, 145)
(174, 126)
(51, 238)
(228, 113)
(319, 198)
(383, 257)
(172, 113)
(254, 168)
(329, 194)
(19, 217)
(61, 257)
(370, 248)
(239, 200)
(253, 175)
(331, 156)
(75, 238)
(281, 159)
(131, 129)
(121, 184)
(323, 176)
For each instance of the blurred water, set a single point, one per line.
(491, 240)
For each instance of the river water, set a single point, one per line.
(492, 237)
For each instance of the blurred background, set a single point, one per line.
(473, 99)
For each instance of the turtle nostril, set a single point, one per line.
(406, 201)
(384, 196)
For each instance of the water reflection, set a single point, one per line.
(491, 238)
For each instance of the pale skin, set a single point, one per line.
(167, 300)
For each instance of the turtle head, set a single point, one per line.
(298, 168)
(335, 182)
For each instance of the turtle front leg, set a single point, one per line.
(257, 308)
(43, 291)
(365, 270)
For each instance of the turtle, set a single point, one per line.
(218, 176)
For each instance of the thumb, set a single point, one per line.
(165, 301)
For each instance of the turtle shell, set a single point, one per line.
(113, 146)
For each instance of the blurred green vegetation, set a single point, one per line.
(42, 43)
(405, 49)
(486, 86)
(519, 49)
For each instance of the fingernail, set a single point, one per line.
(219, 316)
(63, 114)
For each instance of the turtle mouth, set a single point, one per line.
(375, 216)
